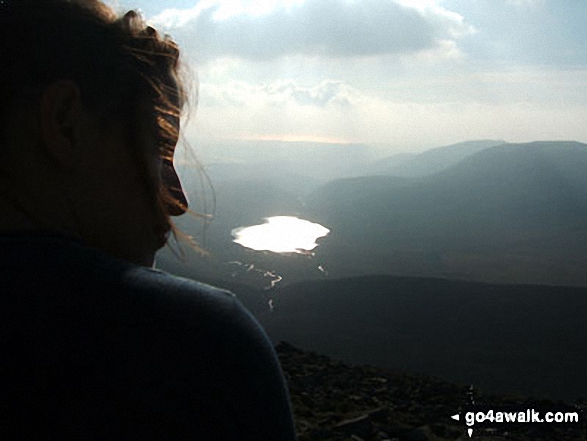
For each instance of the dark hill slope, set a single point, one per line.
(544, 180)
(523, 338)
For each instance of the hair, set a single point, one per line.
(115, 60)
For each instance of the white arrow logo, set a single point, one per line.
(457, 417)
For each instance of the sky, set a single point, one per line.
(404, 74)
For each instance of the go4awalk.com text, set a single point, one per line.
(475, 417)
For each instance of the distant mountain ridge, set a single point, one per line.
(428, 162)
(512, 204)
(508, 176)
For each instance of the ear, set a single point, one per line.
(60, 118)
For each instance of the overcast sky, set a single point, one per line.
(411, 74)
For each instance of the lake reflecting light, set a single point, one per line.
(281, 234)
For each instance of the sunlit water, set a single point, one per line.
(281, 234)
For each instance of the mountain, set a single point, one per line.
(505, 338)
(428, 162)
(510, 213)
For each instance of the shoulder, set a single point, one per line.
(151, 296)
(209, 320)
(214, 353)
(183, 355)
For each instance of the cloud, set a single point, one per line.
(324, 28)
(331, 94)
(527, 3)
(326, 93)
(518, 105)
(400, 123)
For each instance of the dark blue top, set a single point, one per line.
(96, 348)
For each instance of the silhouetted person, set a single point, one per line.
(95, 344)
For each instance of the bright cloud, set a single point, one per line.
(324, 28)
(517, 105)
(278, 94)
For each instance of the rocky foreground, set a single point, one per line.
(335, 401)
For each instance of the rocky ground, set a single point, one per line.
(335, 401)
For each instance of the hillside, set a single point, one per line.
(507, 338)
(332, 400)
(510, 213)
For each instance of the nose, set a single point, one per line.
(171, 180)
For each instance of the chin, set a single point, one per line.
(147, 261)
(146, 258)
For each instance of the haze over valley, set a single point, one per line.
(381, 287)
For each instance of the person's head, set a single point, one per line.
(89, 119)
